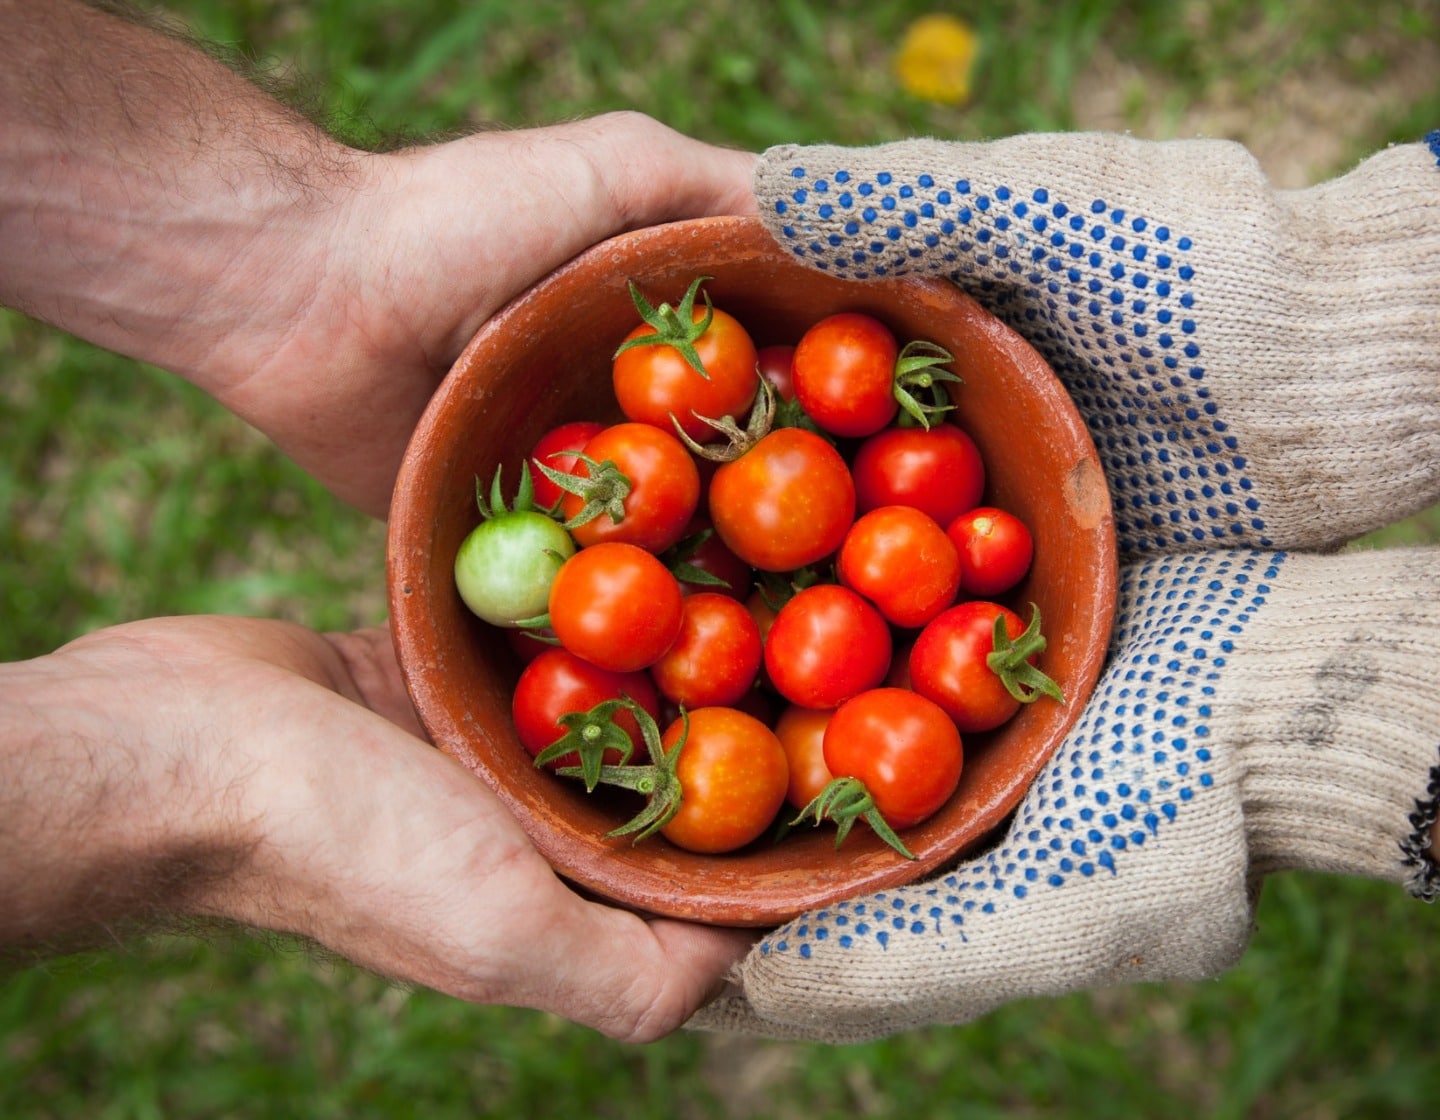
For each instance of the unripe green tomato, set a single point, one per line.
(504, 568)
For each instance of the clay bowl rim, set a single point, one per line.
(438, 644)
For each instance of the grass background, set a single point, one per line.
(123, 493)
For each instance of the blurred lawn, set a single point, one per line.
(126, 494)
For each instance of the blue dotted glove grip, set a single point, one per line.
(1105, 295)
(1137, 762)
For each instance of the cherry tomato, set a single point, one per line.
(557, 683)
(654, 382)
(551, 449)
(761, 611)
(903, 747)
(901, 560)
(801, 732)
(664, 488)
(527, 644)
(947, 664)
(716, 656)
(939, 471)
(733, 775)
(701, 551)
(776, 365)
(784, 503)
(616, 605)
(995, 550)
(505, 566)
(844, 372)
(825, 645)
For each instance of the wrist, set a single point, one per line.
(1335, 713)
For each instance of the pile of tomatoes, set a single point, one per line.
(806, 603)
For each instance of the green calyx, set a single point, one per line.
(678, 559)
(673, 326)
(657, 781)
(738, 440)
(494, 506)
(603, 490)
(920, 382)
(1010, 661)
(844, 800)
(589, 735)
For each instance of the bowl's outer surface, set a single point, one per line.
(545, 360)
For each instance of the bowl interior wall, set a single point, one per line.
(546, 360)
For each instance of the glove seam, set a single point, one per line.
(1423, 881)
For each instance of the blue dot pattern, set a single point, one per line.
(1432, 141)
(1140, 756)
(1106, 295)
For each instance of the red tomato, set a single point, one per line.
(903, 747)
(550, 451)
(776, 365)
(801, 732)
(784, 503)
(995, 550)
(664, 488)
(844, 371)
(825, 645)
(947, 664)
(716, 656)
(733, 774)
(557, 683)
(616, 605)
(527, 645)
(701, 550)
(901, 560)
(939, 471)
(654, 383)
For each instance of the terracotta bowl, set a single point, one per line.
(545, 360)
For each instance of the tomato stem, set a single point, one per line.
(738, 441)
(842, 801)
(590, 734)
(918, 374)
(678, 559)
(603, 490)
(1010, 661)
(494, 506)
(658, 781)
(674, 326)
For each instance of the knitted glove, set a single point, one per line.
(1258, 369)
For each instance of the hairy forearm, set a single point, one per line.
(104, 827)
(151, 199)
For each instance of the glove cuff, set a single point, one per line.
(1333, 715)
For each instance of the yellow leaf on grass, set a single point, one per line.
(935, 58)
